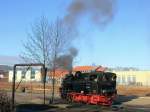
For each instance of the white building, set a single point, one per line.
(139, 78)
(31, 75)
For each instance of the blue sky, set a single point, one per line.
(125, 41)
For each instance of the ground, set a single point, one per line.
(124, 103)
(129, 99)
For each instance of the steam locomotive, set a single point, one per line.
(97, 88)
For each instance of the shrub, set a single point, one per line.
(5, 102)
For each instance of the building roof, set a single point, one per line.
(89, 68)
(58, 73)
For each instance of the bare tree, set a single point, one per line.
(58, 41)
(46, 43)
(37, 48)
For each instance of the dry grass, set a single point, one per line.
(5, 102)
(34, 87)
(133, 90)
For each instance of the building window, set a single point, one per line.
(134, 79)
(123, 80)
(32, 74)
(118, 80)
(23, 74)
(129, 79)
(1, 76)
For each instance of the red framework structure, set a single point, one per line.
(90, 98)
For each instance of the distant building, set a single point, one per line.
(137, 78)
(36, 76)
(3, 76)
(25, 76)
(59, 75)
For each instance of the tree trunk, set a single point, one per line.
(53, 85)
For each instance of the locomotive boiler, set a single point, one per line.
(91, 88)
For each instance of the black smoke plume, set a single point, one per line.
(66, 61)
(100, 12)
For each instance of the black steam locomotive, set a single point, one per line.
(91, 88)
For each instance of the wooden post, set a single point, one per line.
(13, 87)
